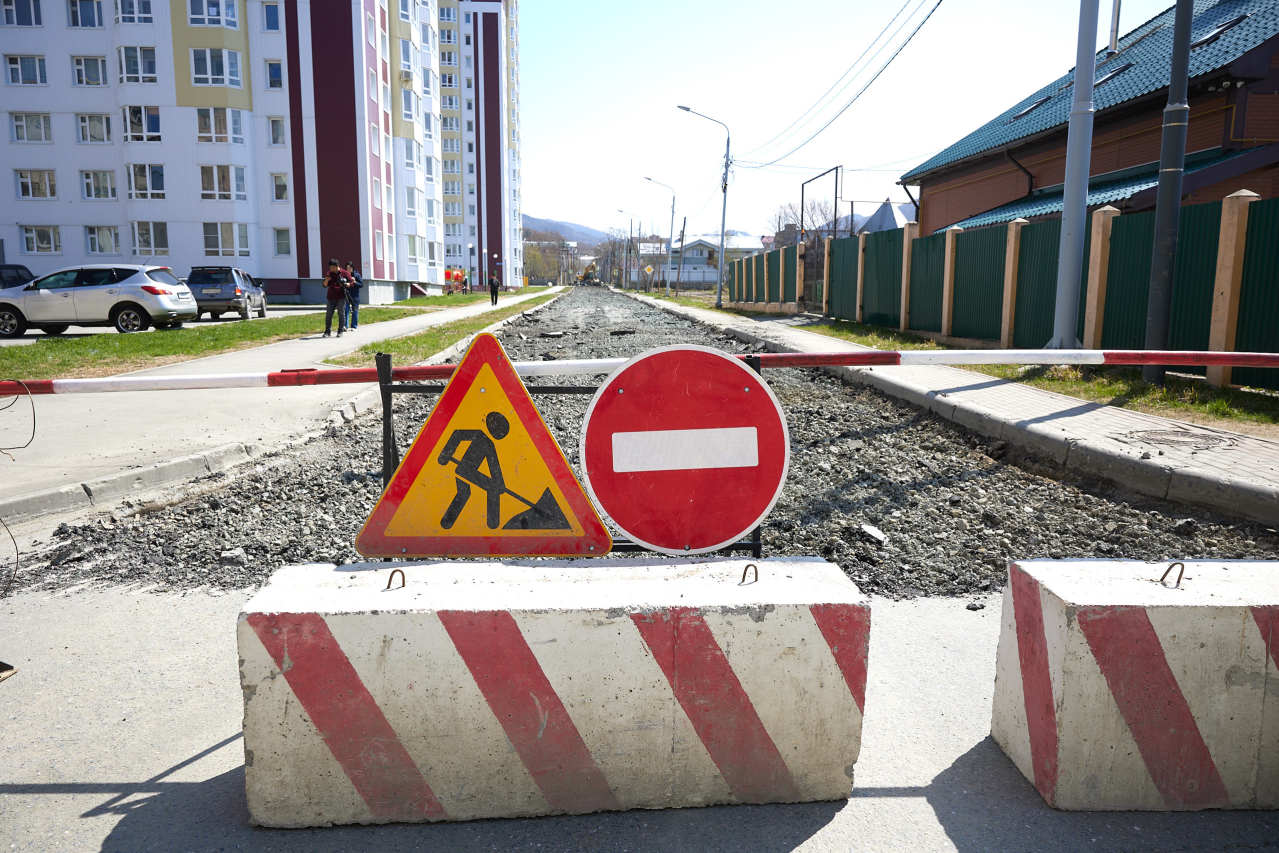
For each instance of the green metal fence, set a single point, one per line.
(882, 283)
(1258, 326)
(774, 283)
(1037, 285)
(790, 260)
(927, 259)
(759, 278)
(1128, 281)
(1192, 284)
(979, 283)
(843, 278)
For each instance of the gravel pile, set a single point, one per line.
(905, 503)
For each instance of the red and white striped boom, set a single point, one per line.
(573, 367)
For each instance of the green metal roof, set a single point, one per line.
(1144, 55)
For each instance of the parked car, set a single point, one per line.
(219, 290)
(127, 296)
(14, 274)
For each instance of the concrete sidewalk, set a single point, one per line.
(93, 447)
(1225, 471)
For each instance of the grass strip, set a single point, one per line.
(412, 349)
(110, 353)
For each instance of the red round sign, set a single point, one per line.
(685, 449)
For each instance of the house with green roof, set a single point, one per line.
(1013, 165)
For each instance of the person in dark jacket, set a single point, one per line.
(335, 283)
(494, 284)
(353, 296)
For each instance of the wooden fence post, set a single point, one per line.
(909, 232)
(861, 272)
(948, 280)
(826, 278)
(1012, 262)
(1103, 222)
(1228, 280)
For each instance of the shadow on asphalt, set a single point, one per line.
(984, 803)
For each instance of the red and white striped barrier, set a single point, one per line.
(1114, 691)
(578, 367)
(495, 690)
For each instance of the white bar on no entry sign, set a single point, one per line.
(685, 449)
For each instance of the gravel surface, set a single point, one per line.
(905, 503)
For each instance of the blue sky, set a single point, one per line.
(600, 85)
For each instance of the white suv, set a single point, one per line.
(127, 296)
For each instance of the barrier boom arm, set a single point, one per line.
(599, 366)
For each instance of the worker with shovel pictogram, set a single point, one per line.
(479, 466)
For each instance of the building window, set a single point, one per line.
(448, 81)
(377, 191)
(428, 84)
(21, 13)
(223, 183)
(386, 147)
(386, 96)
(448, 36)
(31, 127)
(411, 243)
(213, 13)
(226, 238)
(94, 129)
(97, 185)
(470, 83)
(377, 245)
(211, 66)
(26, 70)
(279, 186)
(406, 55)
(452, 208)
(370, 29)
(42, 239)
(408, 102)
(150, 238)
(410, 202)
(137, 64)
(448, 15)
(470, 168)
(467, 40)
(470, 105)
(389, 204)
(452, 188)
(274, 74)
(36, 183)
(406, 10)
(276, 125)
(219, 124)
(386, 46)
(102, 239)
(452, 229)
(146, 180)
(430, 210)
(84, 13)
(283, 245)
(141, 124)
(448, 102)
(89, 70)
(271, 17)
(452, 167)
(448, 57)
(133, 11)
(449, 124)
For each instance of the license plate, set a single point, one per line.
(212, 291)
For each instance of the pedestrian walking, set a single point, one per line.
(353, 296)
(335, 283)
(494, 284)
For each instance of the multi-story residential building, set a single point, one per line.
(479, 118)
(267, 134)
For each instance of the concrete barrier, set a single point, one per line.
(510, 689)
(1114, 691)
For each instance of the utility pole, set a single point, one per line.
(1172, 165)
(679, 272)
(1074, 208)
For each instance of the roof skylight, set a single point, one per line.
(1215, 33)
(1030, 107)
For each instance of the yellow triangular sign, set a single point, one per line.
(484, 477)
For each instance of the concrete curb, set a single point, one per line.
(1071, 454)
(104, 490)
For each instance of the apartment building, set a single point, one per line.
(269, 135)
(479, 118)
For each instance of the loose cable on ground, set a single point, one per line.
(9, 404)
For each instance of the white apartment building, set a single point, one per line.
(266, 134)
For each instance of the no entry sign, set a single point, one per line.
(685, 449)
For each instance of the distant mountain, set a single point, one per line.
(568, 230)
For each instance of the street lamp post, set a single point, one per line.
(470, 265)
(728, 160)
(666, 269)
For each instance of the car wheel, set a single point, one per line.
(262, 307)
(56, 329)
(244, 309)
(12, 323)
(215, 315)
(130, 318)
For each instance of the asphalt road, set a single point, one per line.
(34, 335)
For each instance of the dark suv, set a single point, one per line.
(220, 290)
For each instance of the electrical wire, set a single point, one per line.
(13, 576)
(860, 91)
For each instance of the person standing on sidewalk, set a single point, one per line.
(335, 283)
(353, 296)
(494, 284)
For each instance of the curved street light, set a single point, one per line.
(728, 159)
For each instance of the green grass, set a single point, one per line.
(110, 353)
(412, 349)
(450, 300)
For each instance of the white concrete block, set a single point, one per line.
(1113, 691)
(510, 689)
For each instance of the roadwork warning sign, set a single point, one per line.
(484, 476)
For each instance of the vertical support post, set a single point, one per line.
(390, 453)
(1228, 279)
(826, 278)
(948, 281)
(1012, 263)
(800, 252)
(861, 272)
(909, 232)
(1103, 222)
